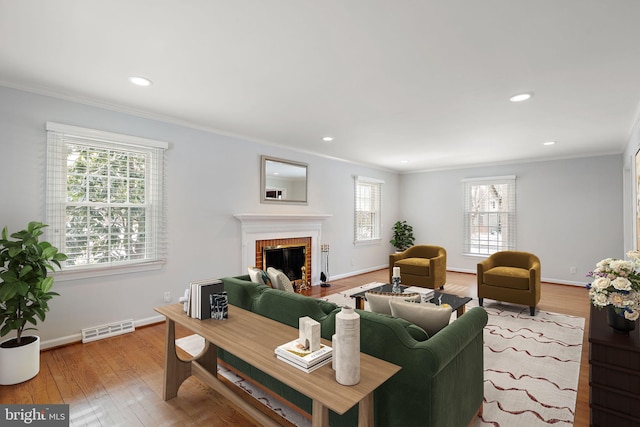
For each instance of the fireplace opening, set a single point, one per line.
(290, 259)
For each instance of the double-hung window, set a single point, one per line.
(368, 208)
(105, 199)
(489, 215)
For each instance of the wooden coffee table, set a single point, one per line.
(253, 338)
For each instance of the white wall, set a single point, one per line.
(569, 212)
(210, 177)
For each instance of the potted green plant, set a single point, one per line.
(25, 291)
(402, 236)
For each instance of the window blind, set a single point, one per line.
(105, 197)
(368, 207)
(489, 215)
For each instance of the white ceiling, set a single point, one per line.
(426, 81)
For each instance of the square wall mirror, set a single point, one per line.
(283, 181)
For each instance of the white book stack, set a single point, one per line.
(296, 355)
(425, 293)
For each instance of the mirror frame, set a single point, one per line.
(263, 180)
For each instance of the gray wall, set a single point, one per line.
(569, 212)
(210, 177)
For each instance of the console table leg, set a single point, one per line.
(175, 370)
(365, 411)
(319, 415)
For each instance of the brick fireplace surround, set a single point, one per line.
(282, 228)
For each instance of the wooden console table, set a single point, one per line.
(253, 338)
(614, 374)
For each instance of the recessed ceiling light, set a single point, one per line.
(327, 138)
(140, 81)
(404, 161)
(549, 143)
(519, 97)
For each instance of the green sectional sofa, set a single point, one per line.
(441, 380)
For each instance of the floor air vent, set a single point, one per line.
(106, 331)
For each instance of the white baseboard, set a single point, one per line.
(74, 338)
(456, 270)
(354, 273)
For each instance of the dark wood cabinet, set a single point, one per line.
(614, 374)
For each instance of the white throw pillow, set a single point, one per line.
(430, 317)
(258, 276)
(273, 276)
(379, 301)
(279, 280)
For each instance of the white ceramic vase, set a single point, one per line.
(19, 364)
(346, 349)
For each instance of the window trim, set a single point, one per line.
(511, 243)
(362, 179)
(53, 195)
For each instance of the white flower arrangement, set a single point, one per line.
(617, 283)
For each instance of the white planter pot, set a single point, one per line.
(19, 364)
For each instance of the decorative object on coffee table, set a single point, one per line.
(616, 285)
(395, 280)
(346, 347)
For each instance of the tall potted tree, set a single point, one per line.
(402, 236)
(25, 291)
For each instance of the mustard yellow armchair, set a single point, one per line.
(421, 265)
(510, 276)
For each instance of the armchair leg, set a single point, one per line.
(532, 310)
(480, 301)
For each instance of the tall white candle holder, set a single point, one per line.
(395, 281)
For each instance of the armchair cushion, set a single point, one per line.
(507, 277)
(417, 266)
(379, 301)
(428, 316)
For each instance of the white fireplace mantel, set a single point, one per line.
(267, 226)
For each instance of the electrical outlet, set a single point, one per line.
(573, 270)
(167, 296)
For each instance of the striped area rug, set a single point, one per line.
(531, 367)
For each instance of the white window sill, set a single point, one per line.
(470, 255)
(89, 272)
(366, 242)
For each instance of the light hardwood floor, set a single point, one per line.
(118, 381)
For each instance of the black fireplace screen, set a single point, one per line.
(288, 259)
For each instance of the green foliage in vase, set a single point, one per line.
(25, 287)
(402, 236)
